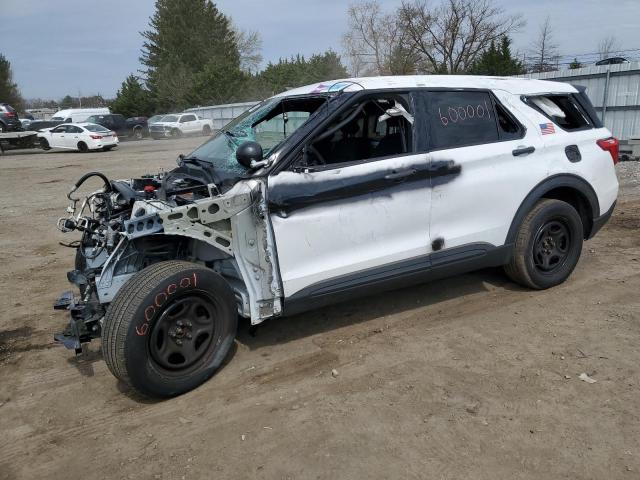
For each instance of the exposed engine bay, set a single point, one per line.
(185, 214)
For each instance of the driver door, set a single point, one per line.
(72, 136)
(189, 124)
(58, 137)
(358, 216)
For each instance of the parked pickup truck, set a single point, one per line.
(134, 127)
(179, 124)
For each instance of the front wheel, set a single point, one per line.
(176, 133)
(44, 144)
(169, 328)
(206, 130)
(548, 245)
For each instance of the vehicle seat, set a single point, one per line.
(350, 147)
(391, 144)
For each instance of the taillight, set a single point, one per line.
(96, 137)
(10, 114)
(611, 145)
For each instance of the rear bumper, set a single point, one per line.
(12, 126)
(600, 221)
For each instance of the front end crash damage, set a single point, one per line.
(129, 225)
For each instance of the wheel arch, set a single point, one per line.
(571, 189)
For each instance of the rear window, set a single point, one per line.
(95, 128)
(459, 119)
(563, 110)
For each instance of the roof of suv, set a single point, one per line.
(518, 86)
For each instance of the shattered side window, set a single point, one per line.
(268, 123)
(563, 110)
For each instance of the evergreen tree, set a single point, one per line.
(190, 54)
(295, 72)
(9, 92)
(497, 60)
(68, 102)
(575, 64)
(132, 99)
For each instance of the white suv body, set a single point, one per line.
(331, 191)
(475, 207)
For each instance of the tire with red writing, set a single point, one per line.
(169, 328)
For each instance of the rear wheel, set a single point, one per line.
(82, 147)
(44, 144)
(206, 130)
(548, 245)
(137, 133)
(169, 328)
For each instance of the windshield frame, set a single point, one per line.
(262, 111)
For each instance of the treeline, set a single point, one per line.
(193, 55)
(449, 37)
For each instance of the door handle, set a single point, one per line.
(399, 176)
(523, 151)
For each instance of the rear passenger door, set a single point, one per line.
(499, 161)
(189, 124)
(72, 136)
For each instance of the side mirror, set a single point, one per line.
(249, 154)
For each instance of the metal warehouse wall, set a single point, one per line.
(222, 114)
(614, 91)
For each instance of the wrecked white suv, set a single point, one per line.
(327, 192)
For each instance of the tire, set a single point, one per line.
(82, 147)
(138, 134)
(176, 133)
(548, 245)
(44, 144)
(3, 128)
(169, 328)
(206, 130)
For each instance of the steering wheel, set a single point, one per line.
(319, 158)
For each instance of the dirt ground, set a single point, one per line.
(467, 378)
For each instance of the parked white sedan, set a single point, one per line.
(78, 136)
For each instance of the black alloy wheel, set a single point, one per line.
(547, 245)
(169, 328)
(551, 246)
(184, 333)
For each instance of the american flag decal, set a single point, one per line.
(547, 128)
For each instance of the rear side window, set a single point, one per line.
(563, 110)
(508, 126)
(95, 128)
(458, 119)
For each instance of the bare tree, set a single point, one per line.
(250, 49)
(451, 36)
(607, 47)
(376, 43)
(544, 51)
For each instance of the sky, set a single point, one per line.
(82, 47)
